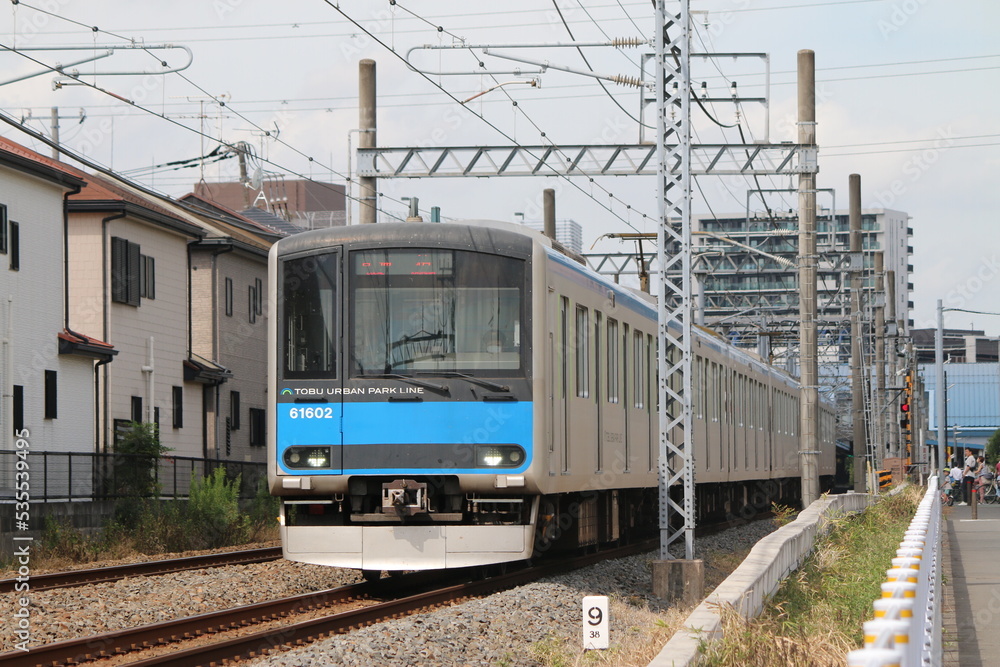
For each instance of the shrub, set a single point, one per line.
(133, 475)
(213, 511)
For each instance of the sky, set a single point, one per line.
(907, 97)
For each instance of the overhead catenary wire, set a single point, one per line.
(102, 169)
(492, 125)
(221, 103)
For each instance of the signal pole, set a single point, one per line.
(940, 389)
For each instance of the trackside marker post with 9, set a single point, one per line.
(595, 622)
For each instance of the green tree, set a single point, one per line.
(993, 448)
(133, 471)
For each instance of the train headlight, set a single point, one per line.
(499, 456)
(304, 458)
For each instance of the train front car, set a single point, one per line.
(401, 428)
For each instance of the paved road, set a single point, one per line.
(972, 614)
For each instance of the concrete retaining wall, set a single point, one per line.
(757, 578)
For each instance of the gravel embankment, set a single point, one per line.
(536, 624)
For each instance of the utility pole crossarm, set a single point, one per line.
(579, 160)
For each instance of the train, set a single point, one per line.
(458, 394)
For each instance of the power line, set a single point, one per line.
(229, 145)
(481, 117)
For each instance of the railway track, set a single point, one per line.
(116, 572)
(399, 596)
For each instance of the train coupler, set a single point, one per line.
(404, 497)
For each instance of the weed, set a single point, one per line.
(783, 514)
(816, 615)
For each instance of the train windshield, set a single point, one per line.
(426, 311)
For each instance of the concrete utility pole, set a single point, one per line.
(549, 212)
(859, 445)
(55, 132)
(940, 389)
(808, 366)
(878, 396)
(892, 366)
(367, 185)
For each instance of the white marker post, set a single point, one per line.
(595, 622)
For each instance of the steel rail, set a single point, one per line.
(39, 582)
(85, 649)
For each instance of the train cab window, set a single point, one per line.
(309, 316)
(432, 311)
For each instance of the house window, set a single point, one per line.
(259, 290)
(252, 304)
(177, 393)
(18, 416)
(257, 427)
(234, 410)
(15, 246)
(50, 395)
(125, 271)
(137, 408)
(3, 229)
(147, 277)
(229, 297)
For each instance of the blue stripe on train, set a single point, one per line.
(405, 423)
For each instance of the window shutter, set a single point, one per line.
(132, 274)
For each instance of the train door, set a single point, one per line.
(583, 419)
(558, 344)
(638, 428)
(612, 414)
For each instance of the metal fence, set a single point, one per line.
(77, 476)
(906, 628)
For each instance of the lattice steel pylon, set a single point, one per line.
(675, 304)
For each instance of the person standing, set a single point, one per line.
(968, 476)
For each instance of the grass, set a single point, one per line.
(815, 617)
(209, 519)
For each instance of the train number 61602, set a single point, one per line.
(311, 413)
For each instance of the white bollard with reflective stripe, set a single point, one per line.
(902, 574)
(885, 633)
(893, 608)
(899, 589)
(874, 657)
(912, 563)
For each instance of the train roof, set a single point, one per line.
(486, 236)
(504, 237)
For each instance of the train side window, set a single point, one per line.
(613, 361)
(624, 366)
(582, 352)
(651, 374)
(795, 414)
(598, 324)
(564, 345)
(639, 377)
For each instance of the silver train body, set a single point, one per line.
(448, 395)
